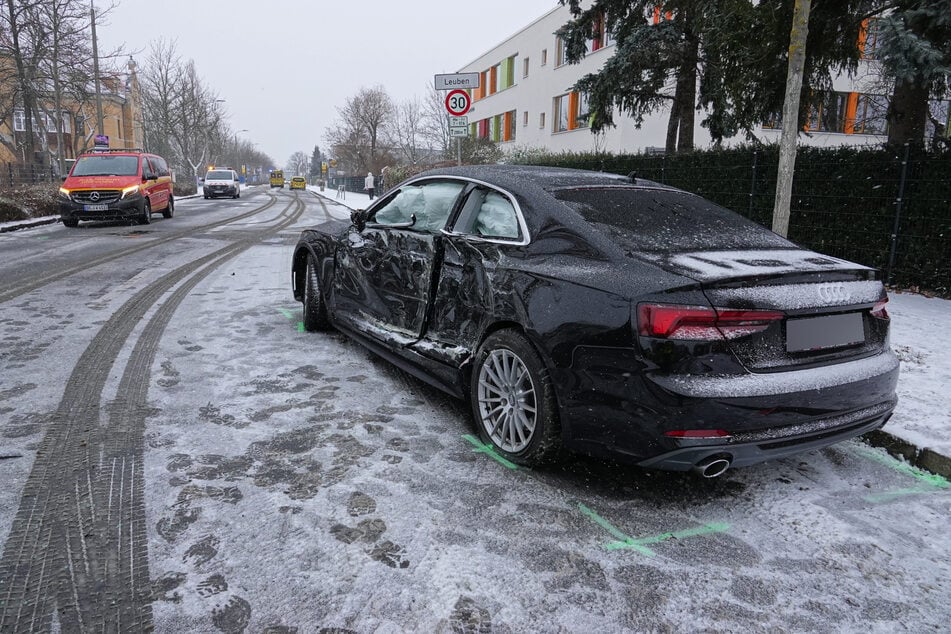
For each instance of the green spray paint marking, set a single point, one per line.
(487, 449)
(931, 479)
(623, 541)
(287, 313)
(897, 493)
(300, 326)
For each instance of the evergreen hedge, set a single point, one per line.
(844, 199)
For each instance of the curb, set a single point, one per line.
(926, 459)
(27, 224)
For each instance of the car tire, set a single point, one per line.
(146, 216)
(206, 197)
(72, 223)
(513, 401)
(315, 309)
(170, 208)
(239, 194)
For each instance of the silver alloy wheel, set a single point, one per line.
(507, 404)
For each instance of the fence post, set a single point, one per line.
(752, 185)
(898, 204)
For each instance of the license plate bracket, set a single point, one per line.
(95, 207)
(827, 331)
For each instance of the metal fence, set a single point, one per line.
(13, 174)
(889, 209)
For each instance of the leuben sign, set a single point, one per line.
(457, 80)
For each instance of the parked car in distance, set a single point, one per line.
(221, 182)
(298, 182)
(116, 185)
(611, 315)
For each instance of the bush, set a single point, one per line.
(23, 202)
(187, 187)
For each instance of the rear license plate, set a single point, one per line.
(829, 331)
(95, 207)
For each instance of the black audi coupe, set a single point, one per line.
(606, 314)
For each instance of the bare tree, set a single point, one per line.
(435, 127)
(298, 164)
(360, 128)
(182, 113)
(407, 130)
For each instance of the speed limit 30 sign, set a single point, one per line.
(458, 102)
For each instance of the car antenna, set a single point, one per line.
(633, 177)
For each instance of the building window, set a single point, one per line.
(582, 114)
(507, 73)
(561, 51)
(19, 121)
(560, 116)
(869, 38)
(49, 123)
(525, 67)
(508, 119)
(544, 56)
(541, 120)
(525, 118)
(828, 112)
(870, 113)
(494, 79)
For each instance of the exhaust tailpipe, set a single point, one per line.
(713, 466)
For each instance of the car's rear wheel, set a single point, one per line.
(71, 222)
(513, 401)
(315, 310)
(170, 209)
(146, 216)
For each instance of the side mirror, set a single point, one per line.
(359, 218)
(148, 176)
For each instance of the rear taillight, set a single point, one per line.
(878, 310)
(696, 323)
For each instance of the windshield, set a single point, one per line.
(659, 220)
(218, 176)
(106, 166)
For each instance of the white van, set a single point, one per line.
(221, 182)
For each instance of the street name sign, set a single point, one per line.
(457, 80)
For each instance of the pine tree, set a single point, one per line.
(315, 162)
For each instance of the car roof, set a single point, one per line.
(522, 177)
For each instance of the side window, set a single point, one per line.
(488, 214)
(431, 203)
(162, 166)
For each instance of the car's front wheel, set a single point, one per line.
(513, 401)
(315, 310)
(146, 216)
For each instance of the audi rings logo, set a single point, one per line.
(94, 196)
(833, 293)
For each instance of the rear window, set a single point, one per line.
(297, 179)
(657, 220)
(219, 175)
(106, 166)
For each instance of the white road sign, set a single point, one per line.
(454, 132)
(457, 80)
(458, 122)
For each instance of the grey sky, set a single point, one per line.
(284, 66)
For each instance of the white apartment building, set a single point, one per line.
(526, 100)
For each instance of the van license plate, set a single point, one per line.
(95, 207)
(829, 331)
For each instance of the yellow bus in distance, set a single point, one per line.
(277, 179)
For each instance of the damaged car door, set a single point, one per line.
(385, 271)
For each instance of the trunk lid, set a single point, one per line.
(833, 309)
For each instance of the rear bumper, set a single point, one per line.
(614, 408)
(770, 444)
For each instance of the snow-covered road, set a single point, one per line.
(293, 480)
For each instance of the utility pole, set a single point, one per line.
(95, 67)
(787, 144)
